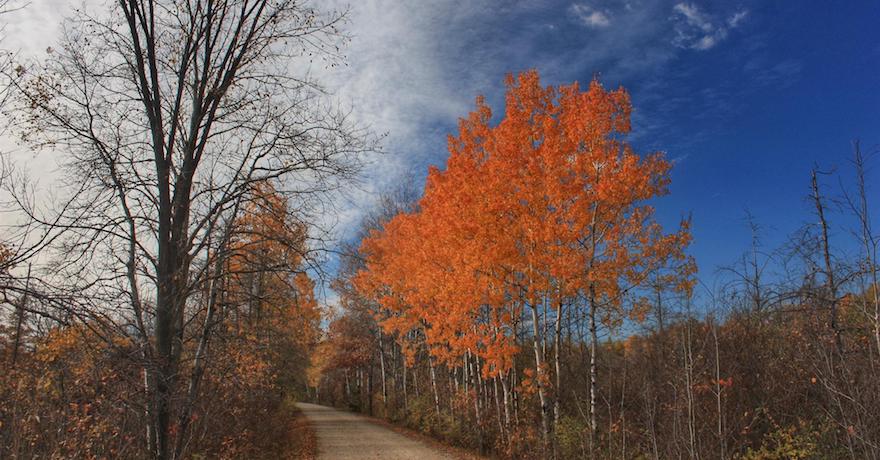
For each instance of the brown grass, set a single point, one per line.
(303, 445)
(290, 436)
(456, 452)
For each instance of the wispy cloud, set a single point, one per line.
(698, 30)
(778, 74)
(694, 16)
(590, 16)
(735, 20)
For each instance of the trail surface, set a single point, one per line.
(344, 435)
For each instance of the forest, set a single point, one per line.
(163, 297)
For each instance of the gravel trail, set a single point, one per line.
(344, 435)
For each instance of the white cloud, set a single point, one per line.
(707, 42)
(694, 16)
(408, 68)
(590, 16)
(698, 30)
(737, 18)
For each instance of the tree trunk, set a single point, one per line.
(557, 345)
(415, 381)
(868, 241)
(507, 398)
(594, 339)
(539, 376)
(382, 369)
(405, 395)
(689, 386)
(477, 411)
(19, 317)
(370, 389)
(515, 395)
(501, 431)
(830, 286)
(434, 385)
(718, 390)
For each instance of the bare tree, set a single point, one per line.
(831, 287)
(859, 208)
(166, 114)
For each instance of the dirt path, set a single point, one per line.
(343, 435)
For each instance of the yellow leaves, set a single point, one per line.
(62, 341)
(794, 442)
(266, 230)
(265, 271)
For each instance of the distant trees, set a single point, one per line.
(173, 120)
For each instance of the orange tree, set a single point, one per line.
(545, 209)
(265, 319)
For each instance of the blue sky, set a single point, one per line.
(745, 96)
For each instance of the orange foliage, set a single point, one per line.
(266, 268)
(549, 203)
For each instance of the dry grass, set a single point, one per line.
(289, 437)
(303, 445)
(456, 452)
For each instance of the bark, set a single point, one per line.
(19, 318)
(370, 389)
(557, 345)
(539, 376)
(869, 243)
(382, 369)
(465, 375)
(689, 386)
(405, 395)
(199, 365)
(415, 380)
(501, 428)
(515, 395)
(718, 389)
(477, 411)
(830, 286)
(434, 385)
(652, 424)
(507, 397)
(594, 339)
